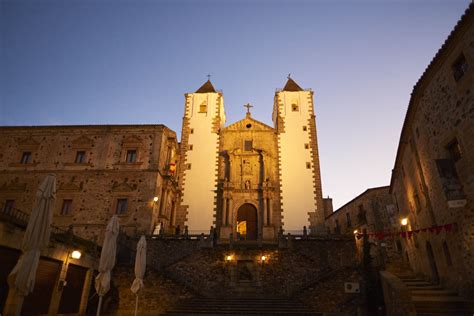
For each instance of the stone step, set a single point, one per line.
(240, 306)
(448, 313)
(435, 293)
(414, 281)
(438, 300)
(419, 284)
(240, 313)
(424, 287)
(259, 307)
(249, 309)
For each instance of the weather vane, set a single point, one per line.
(289, 76)
(209, 77)
(248, 106)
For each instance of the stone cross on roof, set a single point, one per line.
(248, 106)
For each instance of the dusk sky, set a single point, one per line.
(130, 62)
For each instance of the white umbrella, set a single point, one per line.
(107, 259)
(36, 237)
(140, 266)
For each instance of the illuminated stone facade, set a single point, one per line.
(264, 178)
(203, 118)
(432, 180)
(248, 172)
(101, 171)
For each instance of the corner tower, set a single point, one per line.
(300, 177)
(203, 118)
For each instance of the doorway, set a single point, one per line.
(432, 262)
(247, 222)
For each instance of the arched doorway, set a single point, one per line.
(432, 262)
(247, 221)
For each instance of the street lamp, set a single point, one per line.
(76, 254)
(155, 199)
(404, 221)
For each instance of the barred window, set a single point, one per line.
(66, 209)
(121, 206)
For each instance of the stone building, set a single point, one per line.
(373, 211)
(433, 177)
(241, 178)
(101, 171)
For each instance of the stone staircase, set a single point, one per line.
(240, 306)
(432, 299)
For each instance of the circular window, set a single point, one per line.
(248, 125)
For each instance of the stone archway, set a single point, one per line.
(247, 224)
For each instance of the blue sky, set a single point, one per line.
(130, 62)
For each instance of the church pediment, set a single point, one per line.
(248, 123)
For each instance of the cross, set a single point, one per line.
(208, 77)
(248, 106)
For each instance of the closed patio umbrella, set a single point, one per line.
(36, 237)
(107, 259)
(140, 266)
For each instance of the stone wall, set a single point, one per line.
(94, 184)
(158, 295)
(397, 296)
(433, 177)
(329, 295)
(286, 271)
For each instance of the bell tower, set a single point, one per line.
(298, 157)
(203, 118)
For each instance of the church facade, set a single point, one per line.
(250, 180)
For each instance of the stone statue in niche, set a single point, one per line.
(247, 185)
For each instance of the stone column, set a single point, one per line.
(265, 210)
(231, 217)
(269, 210)
(224, 210)
(164, 196)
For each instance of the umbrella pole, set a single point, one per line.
(136, 304)
(100, 306)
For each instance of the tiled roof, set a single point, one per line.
(206, 88)
(291, 85)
